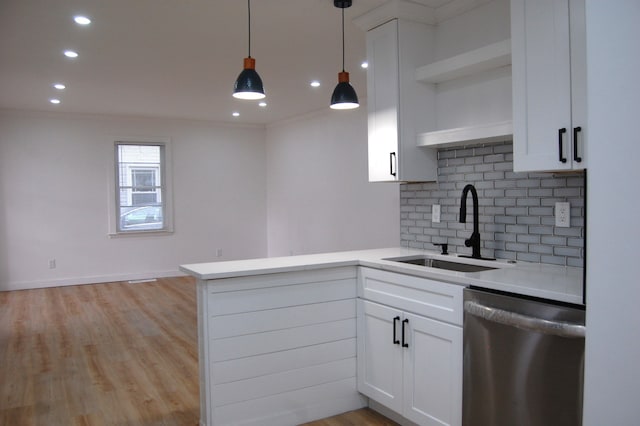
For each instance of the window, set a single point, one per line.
(143, 186)
(140, 187)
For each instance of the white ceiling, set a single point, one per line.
(177, 58)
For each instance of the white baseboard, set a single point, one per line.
(62, 282)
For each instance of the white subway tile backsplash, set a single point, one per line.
(527, 220)
(529, 239)
(528, 257)
(554, 260)
(506, 219)
(542, 249)
(505, 183)
(516, 209)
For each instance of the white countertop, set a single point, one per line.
(553, 282)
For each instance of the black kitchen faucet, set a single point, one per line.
(474, 240)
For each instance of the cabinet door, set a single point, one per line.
(577, 24)
(379, 354)
(432, 372)
(541, 66)
(382, 102)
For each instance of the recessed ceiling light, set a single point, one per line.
(315, 83)
(59, 86)
(262, 104)
(365, 65)
(70, 54)
(82, 20)
(54, 101)
(236, 114)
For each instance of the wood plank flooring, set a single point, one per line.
(361, 417)
(108, 354)
(103, 354)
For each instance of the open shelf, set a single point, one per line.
(485, 58)
(492, 84)
(484, 133)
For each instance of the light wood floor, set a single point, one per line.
(104, 354)
(355, 418)
(107, 354)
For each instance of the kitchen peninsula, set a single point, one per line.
(278, 337)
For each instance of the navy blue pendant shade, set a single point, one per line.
(344, 95)
(248, 85)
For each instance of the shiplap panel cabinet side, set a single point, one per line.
(278, 349)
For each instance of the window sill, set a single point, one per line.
(158, 233)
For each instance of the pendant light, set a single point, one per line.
(249, 84)
(344, 95)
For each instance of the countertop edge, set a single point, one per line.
(553, 282)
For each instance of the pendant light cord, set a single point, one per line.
(343, 39)
(249, 8)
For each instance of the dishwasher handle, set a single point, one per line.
(525, 322)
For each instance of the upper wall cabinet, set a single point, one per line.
(399, 107)
(549, 85)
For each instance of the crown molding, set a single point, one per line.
(413, 11)
(396, 9)
(456, 7)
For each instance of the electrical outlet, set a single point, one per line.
(52, 264)
(219, 252)
(563, 215)
(435, 213)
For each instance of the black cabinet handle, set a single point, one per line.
(404, 343)
(561, 132)
(392, 161)
(576, 130)
(395, 338)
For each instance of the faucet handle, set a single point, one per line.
(444, 246)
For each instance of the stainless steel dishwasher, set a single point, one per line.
(523, 361)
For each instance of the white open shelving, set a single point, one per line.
(485, 58)
(484, 133)
(466, 65)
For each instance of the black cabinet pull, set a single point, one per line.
(395, 338)
(576, 130)
(404, 343)
(561, 132)
(392, 160)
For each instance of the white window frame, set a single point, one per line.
(165, 184)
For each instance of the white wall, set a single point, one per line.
(54, 198)
(483, 25)
(54, 203)
(612, 378)
(319, 195)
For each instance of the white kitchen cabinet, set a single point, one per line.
(411, 362)
(549, 85)
(399, 107)
(432, 371)
(380, 369)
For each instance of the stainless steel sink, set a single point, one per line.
(441, 264)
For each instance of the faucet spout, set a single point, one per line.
(474, 239)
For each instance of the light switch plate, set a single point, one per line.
(563, 215)
(435, 213)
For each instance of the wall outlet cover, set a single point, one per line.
(435, 213)
(563, 215)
